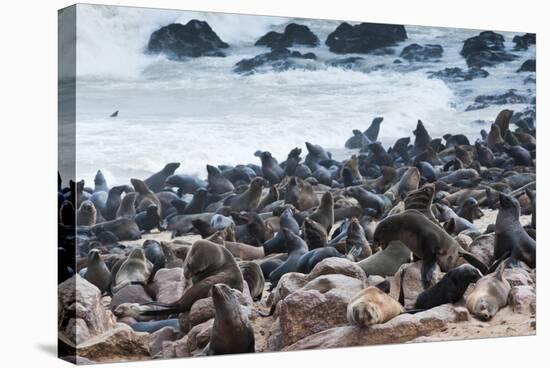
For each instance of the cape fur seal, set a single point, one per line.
(427, 240)
(128, 206)
(300, 194)
(357, 245)
(86, 214)
(149, 219)
(100, 184)
(113, 202)
(232, 332)
(134, 270)
(252, 274)
(387, 261)
(156, 181)
(296, 249)
(97, 272)
(217, 183)
(277, 244)
(372, 306)
(123, 228)
(314, 234)
(206, 264)
(249, 199)
(145, 196)
(490, 294)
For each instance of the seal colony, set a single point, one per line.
(403, 219)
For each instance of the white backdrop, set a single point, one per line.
(29, 164)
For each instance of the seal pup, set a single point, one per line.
(127, 206)
(387, 261)
(100, 184)
(232, 332)
(134, 270)
(489, 295)
(324, 214)
(372, 306)
(145, 196)
(470, 210)
(86, 214)
(511, 239)
(206, 264)
(297, 247)
(156, 181)
(427, 240)
(449, 289)
(97, 272)
(254, 277)
(217, 183)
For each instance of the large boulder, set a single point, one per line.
(89, 329)
(523, 299)
(319, 305)
(402, 328)
(80, 312)
(364, 38)
(130, 294)
(294, 34)
(178, 41)
(412, 282)
(453, 75)
(157, 339)
(278, 59)
(170, 284)
(523, 42)
(416, 52)
(485, 49)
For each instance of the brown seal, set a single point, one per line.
(145, 196)
(252, 274)
(134, 270)
(123, 228)
(372, 306)
(86, 214)
(128, 206)
(97, 272)
(386, 262)
(490, 294)
(249, 199)
(300, 194)
(324, 214)
(232, 332)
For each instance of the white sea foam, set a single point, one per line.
(199, 111)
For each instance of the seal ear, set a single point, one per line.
(474, 261)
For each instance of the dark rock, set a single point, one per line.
(510, 97)
(528, 66)
(346, 63)
(294, 34)
(364, 38)
(415, 52)
(459, 75)
(524, 118)
(486, 49)
(523, 42)
(178, 41)
(279, 59)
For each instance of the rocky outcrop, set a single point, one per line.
(294, 34)
(485, 49)
(157, 339)
(523, 42)
(278, 60)
(507, 98)
(528, 66)
(119, 344)
(364, 38)
(454, 75)
(402, 328)
(416, 52)
(178, 41)
(337, 266)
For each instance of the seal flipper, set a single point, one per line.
(401, 292)
(428, 268)
(384, 286)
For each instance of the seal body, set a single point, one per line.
(490, 294)
(372, 306)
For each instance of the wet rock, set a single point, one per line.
(170, 284)
(402, 328)
(340, 266)
(346, 63)
(453, 75)
(294, 34)
(485, 49)
(364, 38)
(510, 97)
(157, 339)
(525, 118)
(178, 41)
(523, 42)
(523, 299)
(528, 66)
(416, 52)
(130, 294)
(279, 59)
